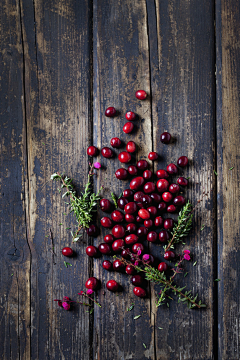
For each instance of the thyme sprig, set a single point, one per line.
(114, 198)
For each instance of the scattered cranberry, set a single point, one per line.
(67, 251)
(92, 230)
(171, 209)
(125, 254)
(118, 266)
(107, 152)
(122, 202)
(130, 270)
(137, 280)
(116, 142)
(110, 111)
(162, 185)
(156, 198)
(148, 223)
(140, 292)
(172, 169)
(131, 147)
(165, 138)
(91, 251)
(128, 127)
(131, 239)
(124, 157)
(118, 231)
(153, 156)
(142, 231)
(131, 228)
(132, 169)
(130, 115)
(130, 218)
(179, 200)
(107, 265)
(140, 205)
(112, 285)
(137, 247)
(138, 219)
(174, 188)
(108, 238)
(121, 174)
(162, 267)
(117, 245)
(92, 151)
(152, 210)
(136, 183)
(138, 196)
(158, 221)
(167, 196)
(91, 283)
(168, 224)
(182, 161)
(152, 236)
(182, 181)
(162, 174)
(141, 94)
(162, 206)
(127, 193)
(169, 255)
(144, 214)
(164, 236)
(106, 222)
(142, 164)
(130, 208)
(146, 200)
(105, 205)
(117, 216)
(147, 174)
(149, 187)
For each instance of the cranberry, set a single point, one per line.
(146, 200)
(137, 280)
(158, 221)
(141, 94)
(124, 157)
(91, 283)
(138, 196)
(162, 174)
(130, 270)
(130, 208)
(152, 210)
(117, 216)
(147, 174)
(148, 223)
(129, 218)
(164, 236)
(116, 142)
(118, 231)
(110, 111)
(125, 254)
(156, 198)
(92, 230)
(91, 251)
(142, 231)
(121, 174)
(112, 285)
(165, 137)
(162, 267)
(92, 151)
(140, 292)
(138, 219)
(179, 200)
(128, 127)
(142, 164)
(162, 206)
(152, 236)
(132, 169)
(168, 224)
(107, 152)
(144, 214)
(127, 193)
(171, 209)
(174, 188)
(136, 183)
(131, 147)
(153, 156)
(105, 205)
(130, 115)
(167, 196)
(118, 266)
(108, 238)
(122, 202)
(149, 187)
(169, 255)
(117, 245)
(182, 181)
(136, 247)
(162, 185)
(131, 239)
(107, 265)
(172, 169)
(67, 251)
(131, 228)
(106, 222)
(182, 161)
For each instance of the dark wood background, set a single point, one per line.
(62, 63)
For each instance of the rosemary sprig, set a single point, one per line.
(114, 198)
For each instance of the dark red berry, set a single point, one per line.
(108, 238)
(179, 200)
(122, 202)
(148, 223)
(168, 224)
(174, 188)
(144, 214)
(106, 222)
(169, 255)
(91, 251)
(140, 205)
(137, 280)
(118, 266)
(121, 174)
(112, 285)
(162, 206)
(158, 221)
(147, 174)
(116, 142)
(130, 208)
(107, 152)
(67, 251)
(128, 127)
(92, 230)
(152, 236)
(172, 169)
(110, 111)
(162, 267)
(118, 231)
(132, 169)
(105, 205)
(149, 187)
(130, 218)
(124, 157)
(142, 164)
(164, 236)
(156, 198)
(182, 161)
(165, 138)
(130, 270)
(153, 156)
(117, 245)
(142, 231)
(131, 228)
(152, 210)
(91, 283)
(146, 200)
(182, 181)
(125, 254)
(140, 292)
(138, 219)
(136, 183)
(141, 94)
(131, 147)
(107, 265)
(162, 185)
(127, 193)
(131, 239)
(92, 151)
(117, 216)
(167, 196)
(130, 115)
(171, 209)
(138, 196)
(162, 174)
(137, 247)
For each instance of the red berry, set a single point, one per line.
(172, 169)
(91, 283)
(141, 94)
(124, 157)
(142, 164)
(164, 236)
(129, 218)
(140, 205)
(182, 181)
(107, 265)
(116, 142)
(121, 174)
(125, 254)
(142, 231)
(130, 208)
(152, 236)
(174, 188)
(107, 152)
(117, 245)
(67, 251)
(138, 196)
(147, 174)
(112, 285)
(156, 198)
(137, 280)
(131, 147)
(132, 169)
(182, 161)
(131, 239)
(105, 205)
(136, 183)
(118, 266)
(179, 200)
(130, 270)
(162, 267)
(110, 111)
(92, 230)
(153, 156)
(108, 238)
(152, 210)
(148, 223)
(149, 187)
(171, 209)
(130, 116)
(131, 228)
(104, 248)
(138, 219)
(127, 193)
(140, 292)
(169, 255)
(128, 127)
(118, 231)
(106, 222)
(117, 216)
(137, 247)
(122, 202)
(162, 185)
(165, 138)
(146, 200)
(92, 151)
(158, 221)
(144, 214)
(91, 251)
(167, 196)
(162, 206)
(162, 174)
(168, 224)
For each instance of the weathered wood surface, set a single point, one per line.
(62, 63)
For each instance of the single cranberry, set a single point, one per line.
(165, 137)
(91, 251)
(162, 267)
(137, 247)
(140, 292)
(108, 238)
(122, 202)
(168, 224)
(182, 161)
(144, 214)
(125, 254)
(156, 198)
(169, 255)
(137, 280)
(130, 270)
(110, 111)
(118, 266)
(172, 169)
(105, 205)
(138, 219)
(182, 181)
(167, 196)
(136, 183)
(127, 193)
(92, 230)
(164, 235)
(171, 209)
(117, 245)
(146, 200)
(91, 283)
(117, 216)
(174, 188)
(131, 147)
(162, 206)
(152, 210)
(128, 127)
(158, 221)
(142, 164)
(121, 174)
(149, 187)
(147, 174)
(162, 185)
(107, 265)
(132, 169)
(124, 157)
(118, 231)
(152, 236)
(112, 285)
(131, 228)
(67, 251)
(116, 142)
(138, 196)
(131, 239)
(162, 174)
(153, 156)
(148, 223)
(141, 94)
(140, 205)
(179, 200)
(92, 151)
(130, 115)
(142, 231)
(130, 208)
(107, 152)
(130, 218)
(106, 222)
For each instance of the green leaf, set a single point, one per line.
(130, 307)
(185, 274)
(67, 264)
(137, 317)
(217, 280)
(54, 176)
(202, 227)
(160, 328)
(194, 263)
(144, 345)
(215, 172)
(231, 168)
(60, 224)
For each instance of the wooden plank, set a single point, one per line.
(182, 77)
(120, 67)
(228, 114)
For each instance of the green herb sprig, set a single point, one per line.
(114, 199)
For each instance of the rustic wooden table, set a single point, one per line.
(62, 63)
